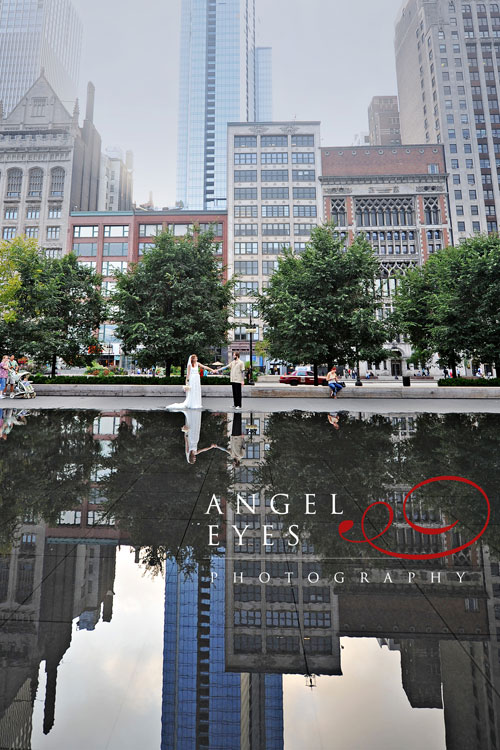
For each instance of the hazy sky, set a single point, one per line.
(329, 58)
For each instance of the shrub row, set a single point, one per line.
(120, 380)
(488, 382)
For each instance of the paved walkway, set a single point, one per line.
(377, 405)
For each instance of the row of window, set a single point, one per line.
(269, 141)
(89, 249)
(268, 248)
(274, 157)
(251, 267)
(146, 230)
(35, 182)
(281, 618)
(11, 213)
(281, 644)
(249, 212)
(274, 175)
(252, 230)
(274, 193)
(52, 233)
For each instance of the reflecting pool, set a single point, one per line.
(189, 581)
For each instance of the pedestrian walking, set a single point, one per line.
(4, 374)
(237, 371)
(12, 368)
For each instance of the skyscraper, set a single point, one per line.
(264, 84)
(383, 120)
(35, 37)
(447, 57)
(218, 73)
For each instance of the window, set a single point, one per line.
(269, 267)
(145, 230)
(241, 334)
(245, 141)
(275, 229)
(303, 229)
(85, 249)
(247, 644)
(282, 644)
(245, 230)
(303, 175)
(108, 287)
(274, 175)
(456, 179)
(304, 210)
(9, 233)
(11, 214)
(115, 248)
(303, 157)
(274, 157)
(304, 193)
(245, 310)
(116, 231)
(302, 140)
(245, 175)
(274, 248)
(108, 336)
(274, 193)
(461, 226)
(215, 228)
(35, 183)
(282, 594)
(53, 233)
(57, 182)
(476, 226)
(245, 158)
(245, 194)
(14, 183)
(270, 211)
(246, 248)
(55, 212)
(143, 247)
(315, 619)
(86, 263)
(299, 247)
(267, 141)
(246, 288)
(338, 211)
(246, 267)
(246, 212)
(86, 231)
(473, 195)
(110, 267)
(278, 618)
(38, 104)
(31, 232)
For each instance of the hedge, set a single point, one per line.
(469, 382)
(120, 380)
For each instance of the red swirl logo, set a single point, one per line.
(346, 526)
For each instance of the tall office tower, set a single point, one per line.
(35, 37)
(204, 706)
(447, 57)
(217, 86)
(383, 121)
(264, 84)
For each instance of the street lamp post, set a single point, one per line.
(251, 330)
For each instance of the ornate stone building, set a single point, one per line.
(398, 198)
(49, 165)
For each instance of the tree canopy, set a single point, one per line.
(321, 305)
(174, 302)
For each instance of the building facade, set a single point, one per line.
(219, 70)
(37, 37)
(447, 58)
(116, 180)
(383, 121)
(397, 197)
(110, 241)
(48, 166)
(274, 203)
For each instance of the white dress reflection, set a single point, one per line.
(191, 432)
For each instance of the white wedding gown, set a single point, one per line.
(193, 395)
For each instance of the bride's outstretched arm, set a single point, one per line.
(209, 369)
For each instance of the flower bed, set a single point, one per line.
(120, 380)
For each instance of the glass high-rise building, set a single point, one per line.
(204, 706)
(36, 36)
(218, 84)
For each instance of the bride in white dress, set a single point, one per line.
(193, 385)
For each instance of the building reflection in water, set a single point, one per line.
(228, 642)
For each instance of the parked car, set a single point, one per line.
(302, 376)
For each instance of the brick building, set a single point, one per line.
(398, 197)
(109, 241)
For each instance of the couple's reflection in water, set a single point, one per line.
(239, 616)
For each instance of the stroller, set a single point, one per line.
(23, 387)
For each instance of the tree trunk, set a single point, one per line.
(315, 367)
(454, 368)
(182, 370)
(53, 370)
(497, 367)
(168, 366)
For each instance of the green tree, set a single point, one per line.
(173, 303)
(58, 308)
(321, 306)
(9, 278)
